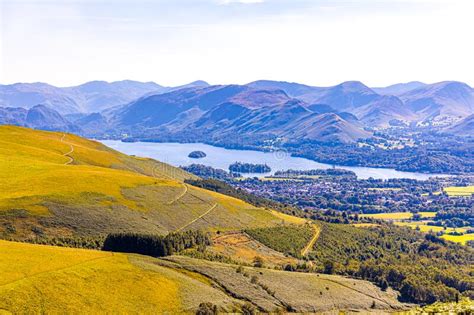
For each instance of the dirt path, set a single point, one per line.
(185, 191)
(180, 195)
(199, 217)
(313, 240)
(71, 159)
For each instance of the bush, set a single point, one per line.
(207, 309)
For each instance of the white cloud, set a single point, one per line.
(377, 44)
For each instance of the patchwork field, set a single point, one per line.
(403, 219)
(398, 215)
(459, 191)
(56, 184)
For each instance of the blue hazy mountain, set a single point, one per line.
(93, 96)
(128, 104)
(399, 88)
(38, 117)
(229, 110)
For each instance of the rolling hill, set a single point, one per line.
(219, 111)
(38, 117)
(399, 88)
(464, 127)
(437, 101)
(56, 185)
(64, 280)
(137, 108)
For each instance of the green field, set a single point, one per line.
(423, 227)
(459, 191)
(397, 216)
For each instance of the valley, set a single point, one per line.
(250, 157)
(408, 127)
(257, 248)
(221, 158)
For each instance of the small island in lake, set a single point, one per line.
(197, 155)
(239, 167)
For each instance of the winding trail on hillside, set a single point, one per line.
(199, 217)
(180, 195)
(71, 159)
(313, 240)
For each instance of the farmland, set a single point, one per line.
(459, 191)
(397, 216)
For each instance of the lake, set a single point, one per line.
(176, 154)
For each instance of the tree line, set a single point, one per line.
(155, 245)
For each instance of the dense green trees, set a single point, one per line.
(288, 239)
(424, 268)
(155, 245)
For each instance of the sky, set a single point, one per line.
(173, 42)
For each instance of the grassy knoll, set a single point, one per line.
(459, 191)
(65, 280)
(43, 193)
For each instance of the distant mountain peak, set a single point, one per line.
(354, 86)
(199, 83)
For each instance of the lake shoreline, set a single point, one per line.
(175, 153)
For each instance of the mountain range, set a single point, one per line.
(94, 96)
(261, 109)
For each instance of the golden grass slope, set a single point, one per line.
(101, 190)
(46, 279)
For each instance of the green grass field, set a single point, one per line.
(423, 227)
(459, 191)
(397, 216)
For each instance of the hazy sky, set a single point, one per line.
(171, 42)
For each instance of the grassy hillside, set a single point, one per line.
(65, 280)
(56, 184)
